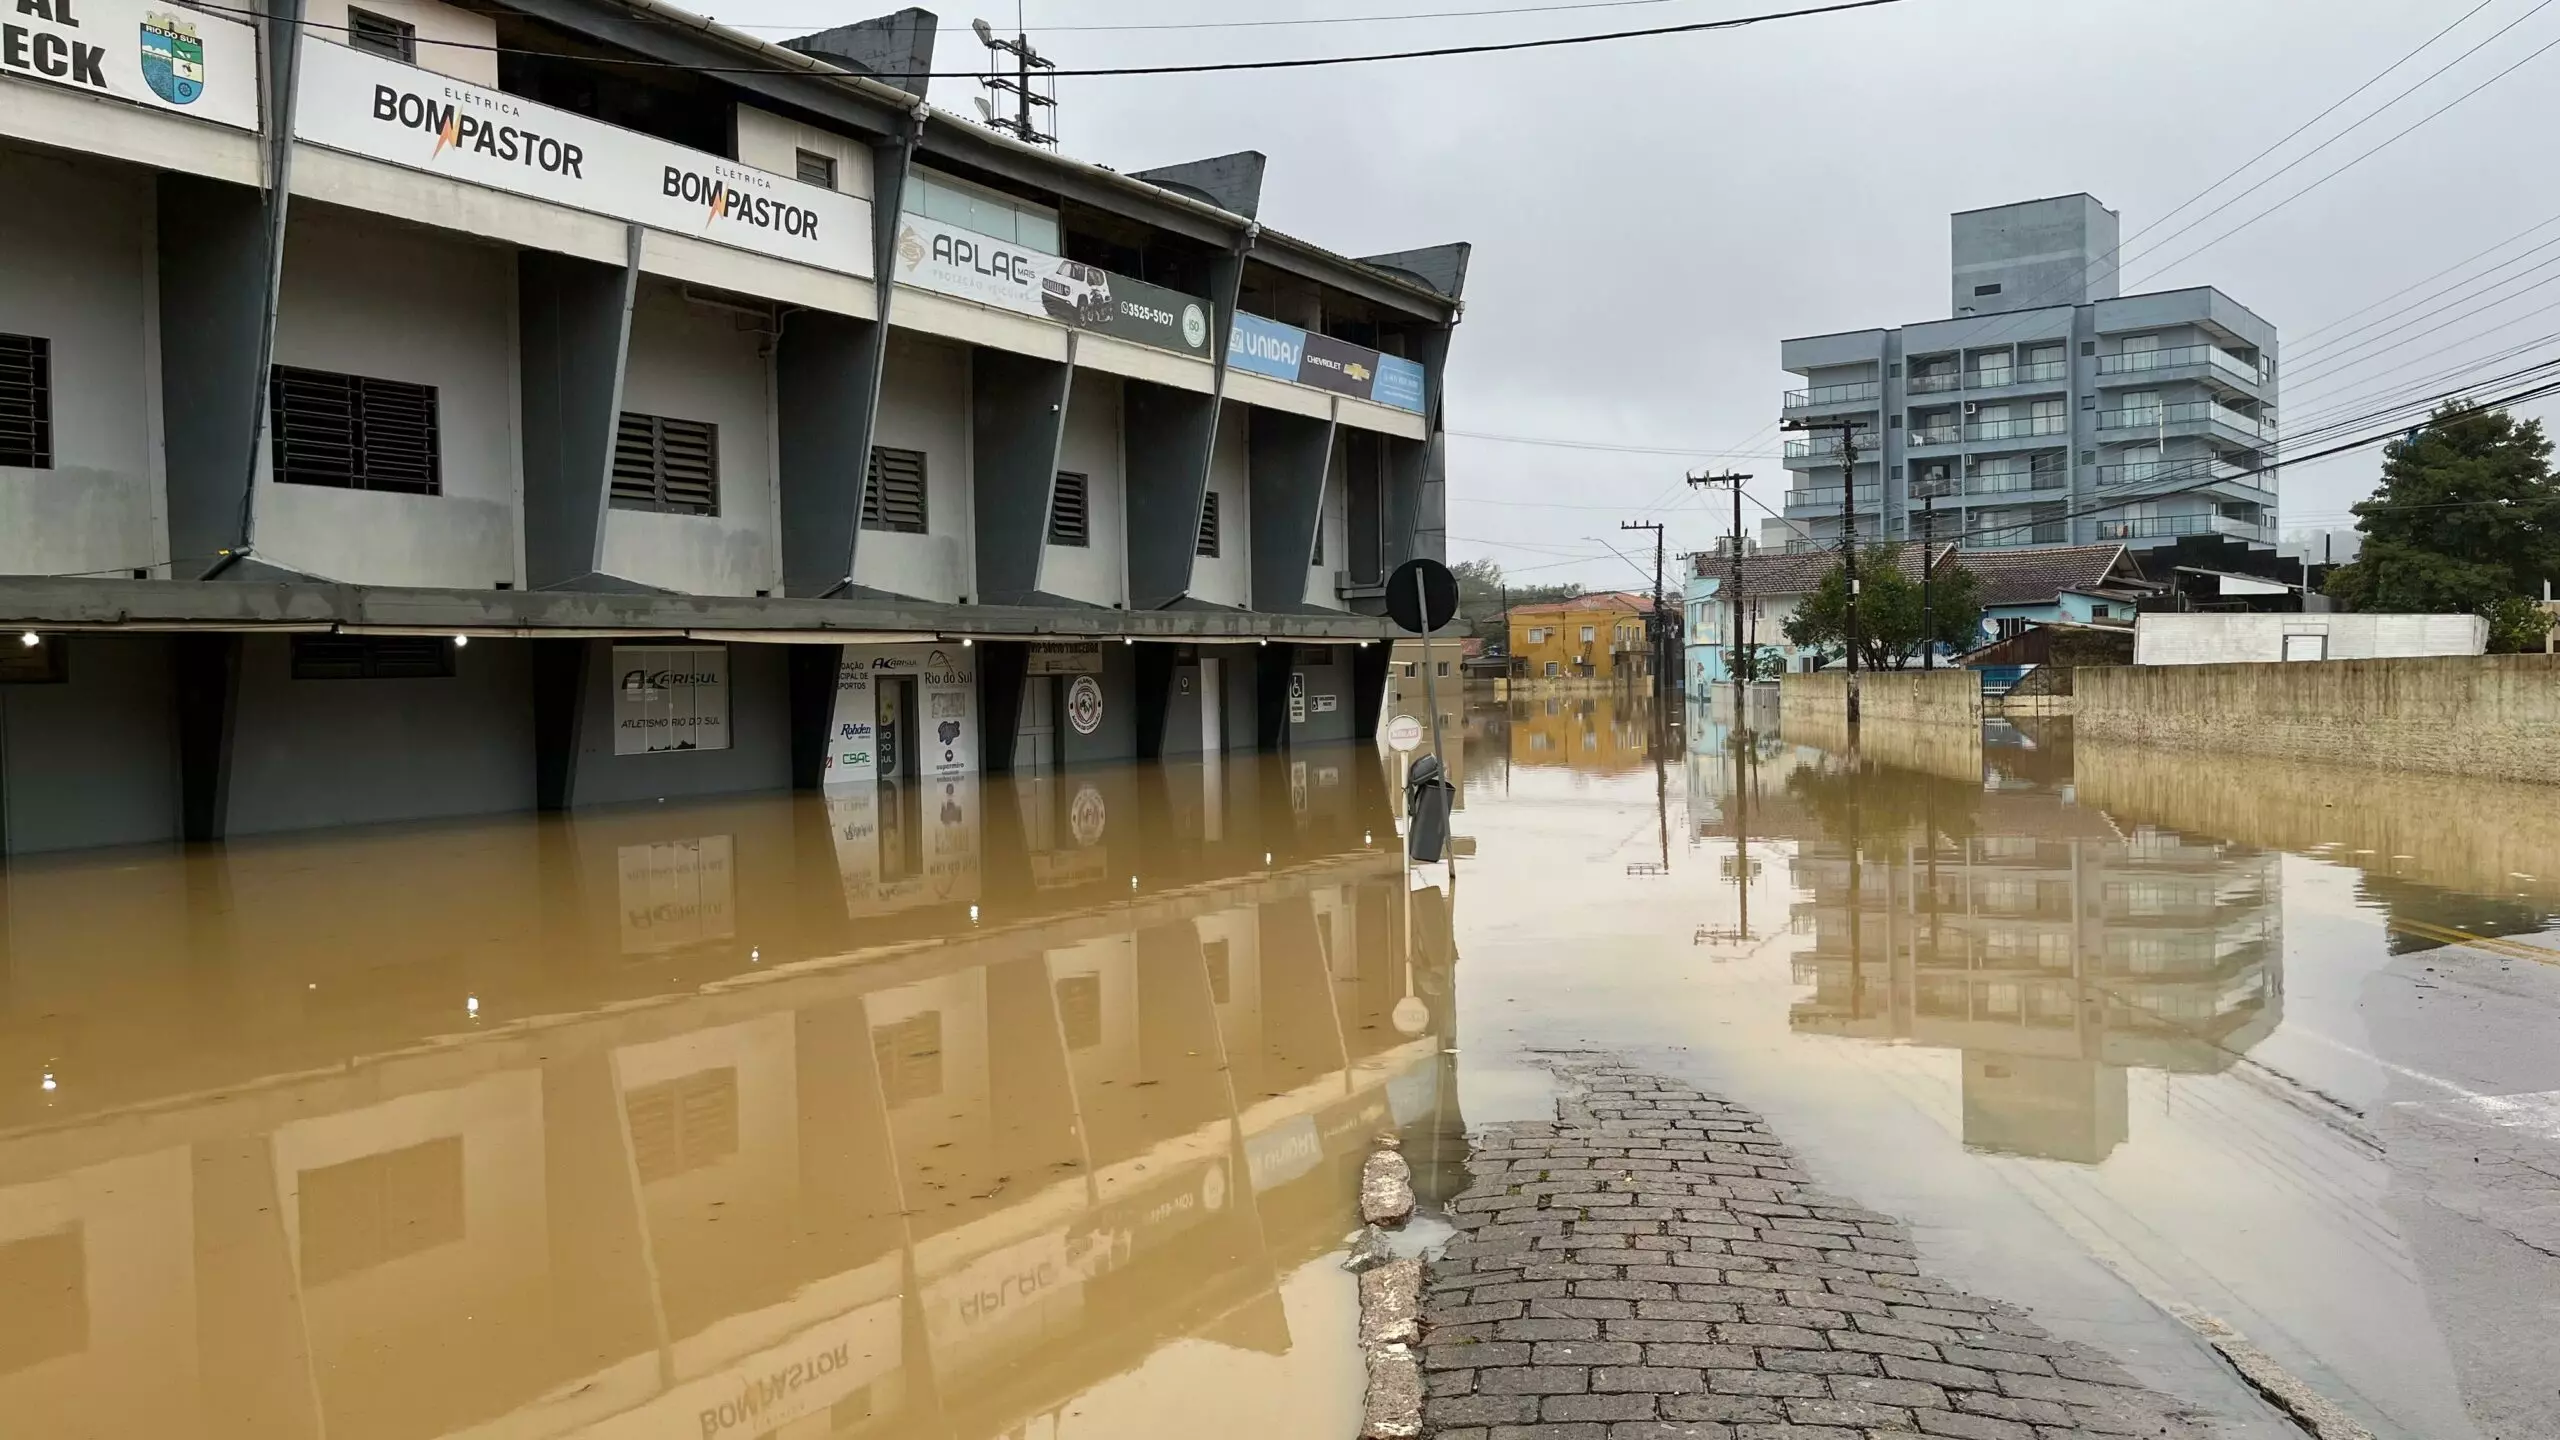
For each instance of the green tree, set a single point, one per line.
(2467, 518)
(1890, 614)
(1480, 593)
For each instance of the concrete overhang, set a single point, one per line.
(45, 603)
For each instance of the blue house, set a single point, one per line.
(2082, 584)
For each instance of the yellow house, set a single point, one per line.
(1589, 637)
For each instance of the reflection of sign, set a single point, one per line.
(1067, 659)
(670, 697)
(1285, 352)
(802, 1376)
(1404, 734)
(933, 255)
(1084, 704)
(1283, 1153)
(675, 893)
(159, 56)
(1086, 816)
(366, 105)
(1297, 697)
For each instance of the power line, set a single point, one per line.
(1501, 47)
(1305, 20)
(1559, 443)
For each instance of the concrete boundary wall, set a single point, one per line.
(1923, 697)
(2495, 716)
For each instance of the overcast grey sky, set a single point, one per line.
(1651, 216)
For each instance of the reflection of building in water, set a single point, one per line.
(1604, 733)
(2054, 957)
(920, 1183)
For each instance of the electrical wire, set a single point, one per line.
(1299, 20)
(819, 66)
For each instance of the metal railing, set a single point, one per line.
(2162, 526)
(2152, 417)
(2140, 472)
(2011, 481)
(2142, 362)
(1827, 447)
(2039, 373)
(2025, 429)
(1935, 382)
(2010, 537)
(1933, 435)
(1828, 497)
(1832, 394)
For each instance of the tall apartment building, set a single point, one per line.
(2047, 410)
(415, 408)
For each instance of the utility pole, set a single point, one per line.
(1654, 628)
(1848, 535)
(1741, 658)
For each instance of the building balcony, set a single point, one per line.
(2193, 417)
(1922, 436)
(2031, 427)
(2185, 472)
(1827, 498)
(2015, 482)
(2018, 536)
(1813, 452)
(1862, 395)
(1935, 382)
(2045, 372)
(2170, 527)
(2186, 362)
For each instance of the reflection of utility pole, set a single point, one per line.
(1741, 658)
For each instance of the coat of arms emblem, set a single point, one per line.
(172, 57)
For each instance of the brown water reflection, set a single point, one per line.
(927, 1113)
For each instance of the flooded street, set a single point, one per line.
(1031, 1107)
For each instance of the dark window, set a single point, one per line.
(1213, 953)
(1893, 372)
(1893, 422)
(908, 1054)
(1071, 511)
(46, 662)
(1897, 472)
(1208, 526)
(2088, 347)
(667, 465)
(26, 401)
(683, 1124)
(2088, 457)
(369, 1211)
(894, 500)
(372, 657)
(352, 432)
(381, 35)
(1080, 1011)
(817, 169)
(2088, 402)
(46, 1278)
(1991, 289)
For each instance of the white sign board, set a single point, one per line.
(164, 56)
(670, 697)
(382, 109)
(1404, 734)
(1069, 658)
(945, 712)
(676, 893)
(944, 258)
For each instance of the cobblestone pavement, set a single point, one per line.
(1655, 1266)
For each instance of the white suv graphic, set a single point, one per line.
(1077, 291)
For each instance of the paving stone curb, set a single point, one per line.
(1655, 1265)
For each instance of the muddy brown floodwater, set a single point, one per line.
(1033, 1107)
(1021, 1108)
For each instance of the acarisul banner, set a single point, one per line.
(1285, 352)
(948, 260)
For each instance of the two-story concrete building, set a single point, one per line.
(1597, 637)
(413, 409)
(2046, 410)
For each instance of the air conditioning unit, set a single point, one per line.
(1971, 406)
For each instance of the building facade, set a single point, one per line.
(2046, 410)
(413, 409)
(1598, 637)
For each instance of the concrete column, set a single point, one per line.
(575, 328)
(216, 343)
(605, 1305)
(1003, 666)
(1169, 436)
(1285, 470)
(1155, 666)
(208, 691)
(812, 699)
(253, 1356)
(559, 709)
(1018, 411)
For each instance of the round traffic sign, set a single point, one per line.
(1422, 596)
(1404, 734)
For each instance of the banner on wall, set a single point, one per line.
(1073, 657)
(401, 115)
(932, 688)
(1285, 352)
(948, 260)
(670, 697)
(166, 57)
